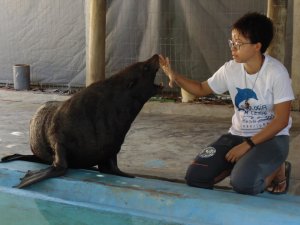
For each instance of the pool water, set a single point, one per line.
(22, 210)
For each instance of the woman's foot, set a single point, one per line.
(280, 183)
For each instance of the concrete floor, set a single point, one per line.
(162, 141)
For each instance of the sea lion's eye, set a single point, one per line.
(131, 84)
(146, 67)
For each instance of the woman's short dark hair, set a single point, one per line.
(257, 27)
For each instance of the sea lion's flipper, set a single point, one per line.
(110, 166)
(58, 168)
(32, 177)
(30, 158)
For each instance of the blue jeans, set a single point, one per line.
(248, 173)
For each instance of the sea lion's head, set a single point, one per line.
(139, 79)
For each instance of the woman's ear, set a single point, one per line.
(258, 46)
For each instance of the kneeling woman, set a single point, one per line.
(254, 151)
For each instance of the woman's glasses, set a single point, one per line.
(236, 45)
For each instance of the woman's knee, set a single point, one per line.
(198, 176)
(247, 185)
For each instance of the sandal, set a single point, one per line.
(276, 183)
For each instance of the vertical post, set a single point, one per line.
(95, 57)
(296, 55)
(277, 11)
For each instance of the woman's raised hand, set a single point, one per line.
(166, 67)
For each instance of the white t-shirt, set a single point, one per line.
(271, 85)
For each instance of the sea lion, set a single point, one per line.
(89, 128)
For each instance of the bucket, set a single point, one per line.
(186, 96)
(21, 76)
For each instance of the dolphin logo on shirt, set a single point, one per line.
(243, 95)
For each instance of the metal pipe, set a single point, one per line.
(296, 56)
(277, 11)
(95, 57)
